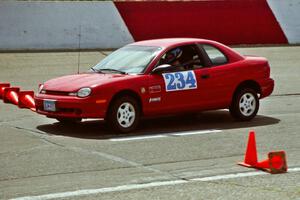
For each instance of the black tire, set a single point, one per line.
(245, 104)
(68, 120)
(124, 114)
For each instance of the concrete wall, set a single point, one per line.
(287, 13)
(55, 25)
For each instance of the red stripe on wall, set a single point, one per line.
(229, 22)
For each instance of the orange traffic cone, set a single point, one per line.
(251, 153)
(10, 95)
(2, 86)
(26, 100)
(276, 163)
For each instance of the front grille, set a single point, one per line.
(66, 110)
(63, 110)
(59, 93)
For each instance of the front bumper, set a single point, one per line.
(267, 87)
(71, 107)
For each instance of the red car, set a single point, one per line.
(159, 77)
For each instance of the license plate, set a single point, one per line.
(49, 105)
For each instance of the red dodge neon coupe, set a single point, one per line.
(158, 77)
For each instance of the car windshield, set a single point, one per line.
(130, 59)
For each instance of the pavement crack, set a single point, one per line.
(284, 95)
(26, 150)
(39, 134)
(259, 187)
(192, 160)
(123, 161)
(51, 142)
(26, 129)
(112, 157)
(64, 173)
(15, 119)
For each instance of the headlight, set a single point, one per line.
(84, 92)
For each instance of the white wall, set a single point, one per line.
(55, 25)
(287, 13)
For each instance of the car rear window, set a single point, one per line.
(215, 55)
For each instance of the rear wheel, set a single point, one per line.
(124, 114)
(245, 104)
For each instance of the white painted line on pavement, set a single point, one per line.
(238, 175)
(136, 138)
(163, 135)
(296, 169)
(101, 190)
(196, 132)
(228, 176)
(143, 186)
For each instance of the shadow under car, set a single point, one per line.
(97, 129)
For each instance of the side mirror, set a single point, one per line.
(162, 68)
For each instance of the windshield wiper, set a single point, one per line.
(113, 70)
(95, 70)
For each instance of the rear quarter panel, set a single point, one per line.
(253, 69)
(225, 79)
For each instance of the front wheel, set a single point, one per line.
(245, 104)
(124, 114)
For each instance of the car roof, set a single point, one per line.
(167, 43)
(170, 42)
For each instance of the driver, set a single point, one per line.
(172, 58)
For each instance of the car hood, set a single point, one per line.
(72, 83)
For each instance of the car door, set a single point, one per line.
(216, 81)
(173, 91)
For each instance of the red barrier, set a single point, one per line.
(2, 86)
(11, 95)
(26, 100)
(229, 22)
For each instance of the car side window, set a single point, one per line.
(215, 55)
(182, 58)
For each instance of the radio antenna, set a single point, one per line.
(79, 47)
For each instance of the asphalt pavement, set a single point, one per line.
(180, 157)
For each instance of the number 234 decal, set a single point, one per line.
(185, 80)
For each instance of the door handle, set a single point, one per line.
(205, 76)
